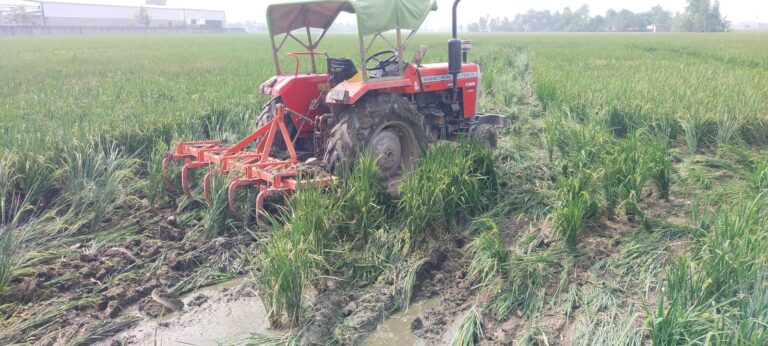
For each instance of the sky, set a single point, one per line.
(736, 11)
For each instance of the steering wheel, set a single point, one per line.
(381, 62)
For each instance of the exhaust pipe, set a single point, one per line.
(454, 53)
(455, 5)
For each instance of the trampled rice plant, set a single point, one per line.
(470, 330)
(717, 295)
(408, 281)
(533, 335)
(527, 270)
(383, 248)
(645, 256)
(6, 256)
(618, 328)
(489, 255)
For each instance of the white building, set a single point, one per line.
(71, 14)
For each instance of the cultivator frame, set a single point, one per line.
(248, 167)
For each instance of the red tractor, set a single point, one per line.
(317, 121)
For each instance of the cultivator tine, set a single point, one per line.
(185, 179)
(232, 196)
(207, 187)
(260, 201)
(236, 183)
(185, 174)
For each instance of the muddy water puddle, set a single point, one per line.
(211, 315)
(396, 330)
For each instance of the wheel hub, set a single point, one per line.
(387, 151)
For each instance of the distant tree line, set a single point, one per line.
(699, 16)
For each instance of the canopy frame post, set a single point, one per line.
(310, 46)
(362, 58)
(274, 55)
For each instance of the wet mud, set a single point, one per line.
(211, 316)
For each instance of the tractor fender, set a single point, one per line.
(350, 92)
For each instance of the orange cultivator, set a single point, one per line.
(248, 167)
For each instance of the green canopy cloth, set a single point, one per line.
(373, 16)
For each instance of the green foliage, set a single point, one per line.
(470, 330)
(600, 172)
(758, 176)
(451, 181)
(96, 179)
(576, 206)
(293, 258)
(488, 253)
(155, 189)
(364, 196)
(216, 214)
(142, 16)
(718, 293)
(6, 256)
(699, 16)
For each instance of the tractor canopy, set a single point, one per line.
(373, 16)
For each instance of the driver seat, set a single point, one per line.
(339, 70)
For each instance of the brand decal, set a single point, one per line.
(448, 77)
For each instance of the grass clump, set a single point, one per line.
(522, 289)
(216, 214)
(717, 294)
(575, 208)
(97, 179)
(293, 258)
(758, 176)
(470, 330)
(6, 256)
(489, 255)
(451, 181)
(601, 173)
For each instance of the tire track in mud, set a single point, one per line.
(81, 294)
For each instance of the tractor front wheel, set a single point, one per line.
(387, 126)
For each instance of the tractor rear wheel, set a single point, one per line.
(386, 125)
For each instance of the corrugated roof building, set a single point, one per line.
(54, 13)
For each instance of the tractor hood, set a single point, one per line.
(373, 16)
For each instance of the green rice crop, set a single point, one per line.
(717, 295)
(450, 181)
(84, 122)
